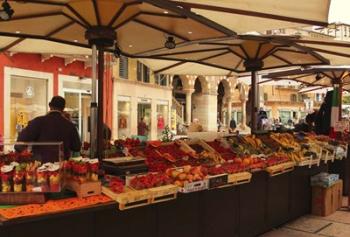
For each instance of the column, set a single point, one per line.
(188, 106)
(229, 111)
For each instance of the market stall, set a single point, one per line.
(223, 202)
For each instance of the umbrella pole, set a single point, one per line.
(100, 138)
(93, 108)
(340, 101)
(253, 103)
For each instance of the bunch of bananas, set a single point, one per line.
(295, 156)
(253, 141)
(286, 140)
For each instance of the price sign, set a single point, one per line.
(218, 180)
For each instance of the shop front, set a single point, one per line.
(134, 101)
(26, 96)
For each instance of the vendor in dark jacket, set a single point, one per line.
(53, 127)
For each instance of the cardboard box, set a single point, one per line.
(326, 201)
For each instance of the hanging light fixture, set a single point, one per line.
(6, 12)
(318, 76)
(170, 43)
(116, 51)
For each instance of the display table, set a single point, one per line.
(244, 210)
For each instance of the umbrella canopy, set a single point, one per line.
(323, 76)
(124, 26)
(136, 25)
(261, 15)
(338, 52)
(236, 54)
(239, 54)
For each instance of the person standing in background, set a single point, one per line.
(52, 127)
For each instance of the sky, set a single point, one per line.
(339, 11)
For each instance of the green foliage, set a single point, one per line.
(167, 135)
(346, 100)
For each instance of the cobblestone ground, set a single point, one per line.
(335, 225)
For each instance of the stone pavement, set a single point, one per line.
(335, 225)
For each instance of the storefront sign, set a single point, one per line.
(144, 101)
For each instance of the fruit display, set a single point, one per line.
(20, 172)
(115, 183)
(81, 169)
(150, 180)
(277, 158)
(187, 174)
(223, 148)
(286, 140)
(256, 144)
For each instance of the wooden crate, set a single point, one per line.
(327, 155)
(326, 201)
(84, 189)
(308, 161)
(239, 178)
(22, 198)
(280, 168)
(163, 193)
(129, 198)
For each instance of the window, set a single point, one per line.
(123, 67)
(265, 97)
(161, 79)
(143, 73)
(293, 97)
(28, 99)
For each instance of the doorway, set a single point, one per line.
(78, 107)
(144, 111)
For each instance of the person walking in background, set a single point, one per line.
(233, 125)
(52, 127)
(323, 117)
(142, 128)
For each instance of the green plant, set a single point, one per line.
(167, 135)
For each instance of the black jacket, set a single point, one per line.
(52, 127)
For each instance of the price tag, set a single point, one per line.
(218, 180)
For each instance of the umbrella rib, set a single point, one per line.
(271, 51)
(43, 38)
(97, 13)
(237, 54)
(282, 59)
(250, 13)
(120, 12)
(43, 2)
(258, 50)
(77, 14)
(244, 51)
(75, 20)
(160, 29)
(169, 67)
(190, 51)
(329, 52)
(38, 15)
(162, 15)
(7, 47)
(239, 63)
(60, 28)
(126, 21)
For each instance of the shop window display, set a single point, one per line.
(123, 119)
(162, 118)
(28, 100)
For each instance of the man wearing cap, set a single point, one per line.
(52, 127)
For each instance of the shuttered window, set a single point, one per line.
(123, 67)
